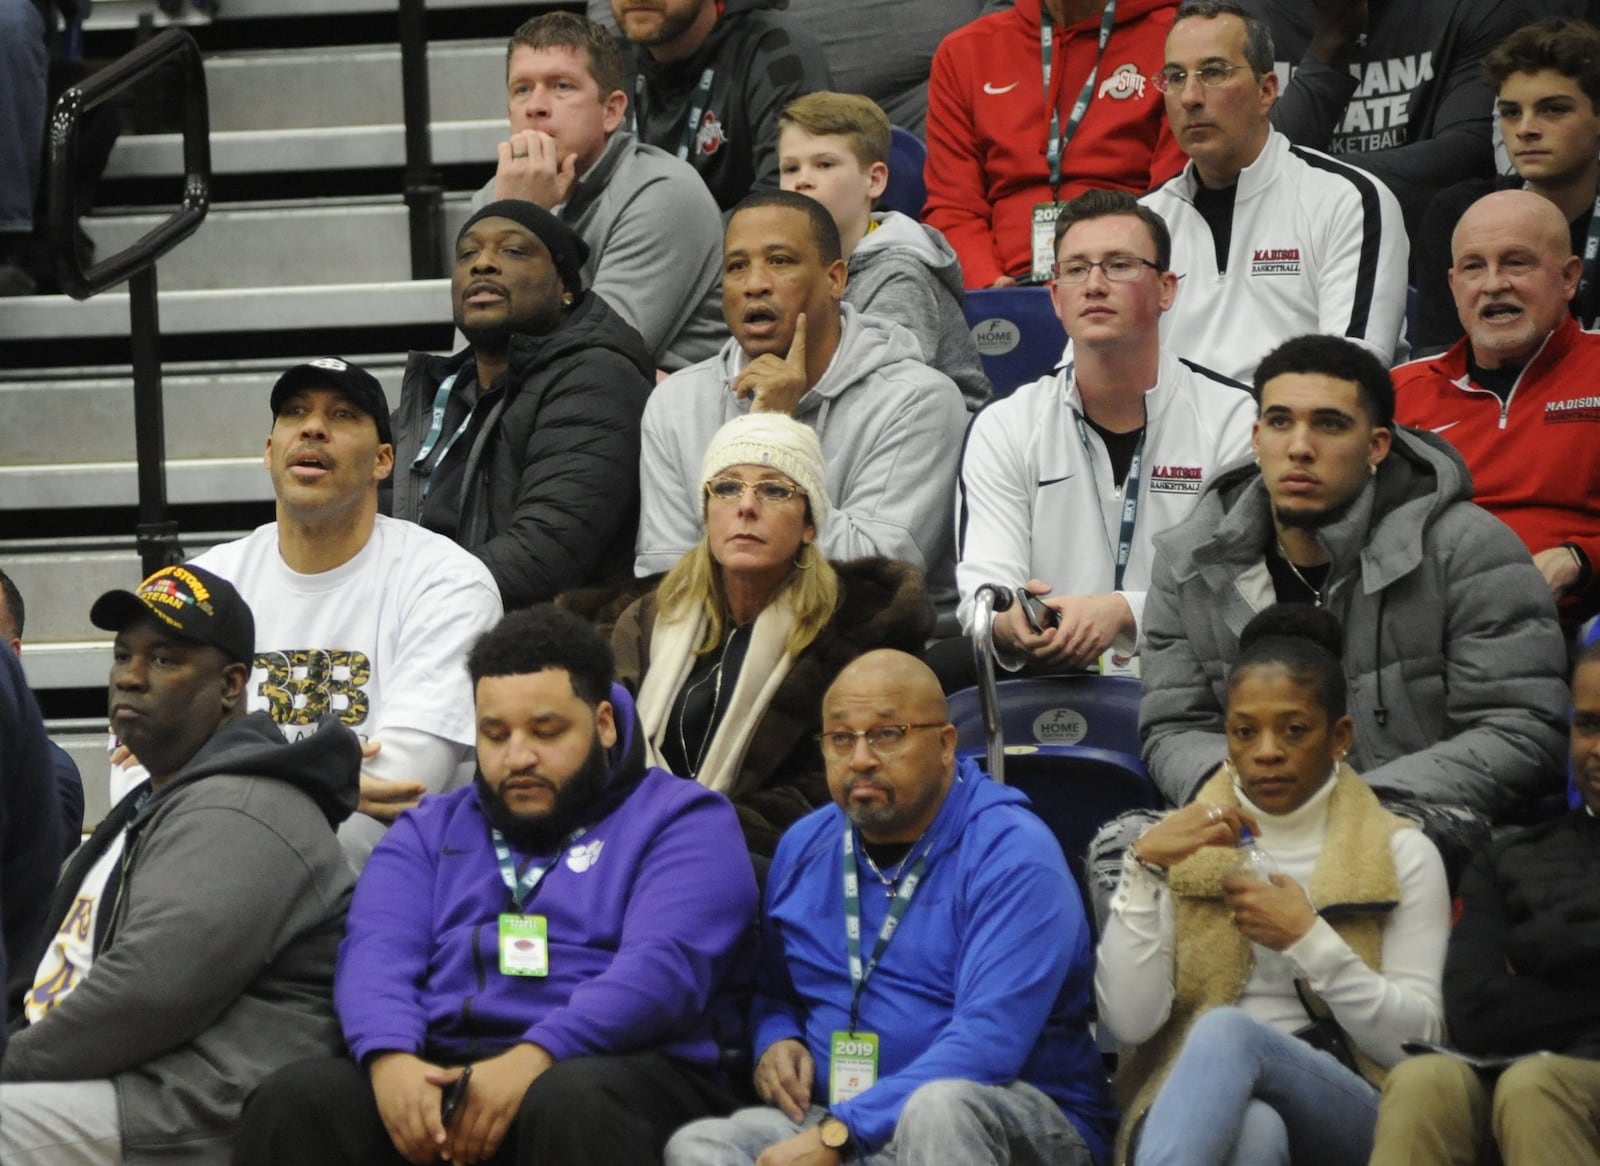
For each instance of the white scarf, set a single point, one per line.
(672, 658)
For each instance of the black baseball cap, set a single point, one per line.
(331, 372)
(191, 601)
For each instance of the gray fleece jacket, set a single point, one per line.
(890, 429)
(655, 247)
(1453, 656)
(213, 966)
(906, 272)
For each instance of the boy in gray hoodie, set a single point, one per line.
(834, 147)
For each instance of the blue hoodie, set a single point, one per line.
(989, 977)
(648, 914)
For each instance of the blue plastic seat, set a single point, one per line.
(906, 191)
(1018, 335)
(1097, 711)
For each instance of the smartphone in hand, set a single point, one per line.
(1041, 616)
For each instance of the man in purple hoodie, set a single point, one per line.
(545, 960)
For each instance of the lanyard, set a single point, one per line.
(1059, 142)
(1130, 493)
(440, 400)
(697, 107)
(522, 888)
(852, 919)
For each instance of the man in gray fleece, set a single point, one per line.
(890, 426)
(190, 942)
(834, 147)
(652, 227)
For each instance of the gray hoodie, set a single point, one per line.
(906, 272)
(890, 428)
(213, 966)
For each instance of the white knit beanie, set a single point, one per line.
(776, 440)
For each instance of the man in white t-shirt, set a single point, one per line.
(359, 615)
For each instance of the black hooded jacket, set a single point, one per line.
(550, 484)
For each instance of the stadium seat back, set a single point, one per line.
(1018, 336)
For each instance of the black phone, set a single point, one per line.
(1040, 615)
(450, 1100)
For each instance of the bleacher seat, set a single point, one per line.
(1018, 335)
(906, 191)
(1101, 712)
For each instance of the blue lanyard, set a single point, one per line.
(522, 888)
(1058, 143)
(1130, 491)
(852, 919)
(441, 399)
(697, 109)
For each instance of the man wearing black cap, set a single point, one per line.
(190, 943)
(524, 448)
(357, 615)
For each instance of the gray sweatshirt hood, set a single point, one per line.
(918, 243)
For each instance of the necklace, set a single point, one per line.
(890, 879)
(1316, 592)
(711, 720)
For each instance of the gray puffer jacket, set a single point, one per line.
(1453, 656)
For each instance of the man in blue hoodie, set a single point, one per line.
(965, 1039)
(540, 962)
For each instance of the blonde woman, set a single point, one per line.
(731, 653)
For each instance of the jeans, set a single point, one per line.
(1241, 1092)
(942, 1122)
(24, 65)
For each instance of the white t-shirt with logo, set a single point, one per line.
(71, 952)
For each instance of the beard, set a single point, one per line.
(539, 833)
(1314, 519)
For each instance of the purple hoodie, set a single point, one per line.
(648, 913)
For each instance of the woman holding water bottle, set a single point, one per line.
(1259, 991)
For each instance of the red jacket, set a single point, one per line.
(988, 126)
(1535, 462)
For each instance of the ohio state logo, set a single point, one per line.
(710, 138)
(1126, 82)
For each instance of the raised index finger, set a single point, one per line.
(796, 357)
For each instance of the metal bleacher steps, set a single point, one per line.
(304, 252)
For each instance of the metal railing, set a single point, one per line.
(424, 188)
(157, 535)
(990, 600)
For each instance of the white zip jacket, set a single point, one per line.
(1317, 246)
(1036, 502)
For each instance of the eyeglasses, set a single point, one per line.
(884, 740)
(1118, 268)
(1212, 75)
(766, 490)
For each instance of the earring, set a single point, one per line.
(566, 299)
(1258, 461)
(802, 557)
(1372, 469)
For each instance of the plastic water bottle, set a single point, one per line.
(1252, 861)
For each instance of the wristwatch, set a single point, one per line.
(836, 1136)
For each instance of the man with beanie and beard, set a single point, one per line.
(524, 448)
(541, 961)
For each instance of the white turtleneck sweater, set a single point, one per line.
(1378, 1010)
